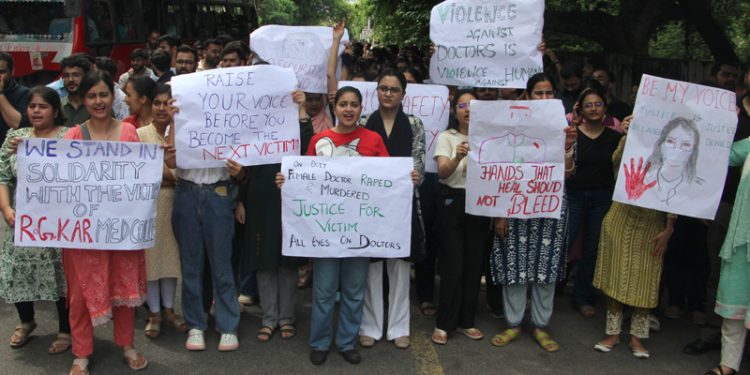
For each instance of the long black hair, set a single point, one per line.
(536, 78)
(50, 97)
(143, 86)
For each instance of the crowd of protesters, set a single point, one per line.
(223, 245)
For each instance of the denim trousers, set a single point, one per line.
(349, 275)
(204, 225)
(587, 208)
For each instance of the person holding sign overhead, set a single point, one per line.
(103, 285)
(532, 253)
(463, 236)
(349, 275)
(403, 136)
(31, 274)
(590, 188)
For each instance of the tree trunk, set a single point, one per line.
(699, 14)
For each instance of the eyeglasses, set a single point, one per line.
(463, 106)
(391, 90)
(593, 105)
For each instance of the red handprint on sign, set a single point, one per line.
(634, 185)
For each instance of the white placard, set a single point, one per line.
(301, 48)
(677, 151)
(484, 43)
(87, 194)
(340, 207)
(516, 156)
(428, 102)
(245, 114)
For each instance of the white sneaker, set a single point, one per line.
(228, 342)
(195, 340)
(246, 300)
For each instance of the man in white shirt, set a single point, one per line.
(139, 60)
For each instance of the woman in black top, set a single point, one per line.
(590, 188)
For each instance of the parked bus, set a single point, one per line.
(39, 33)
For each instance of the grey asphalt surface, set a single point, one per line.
(166, 354)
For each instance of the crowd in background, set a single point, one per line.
(219, 229)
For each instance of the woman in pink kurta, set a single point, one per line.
(102, 284)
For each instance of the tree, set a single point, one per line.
(718, 27)
(302, 12)
(281, 12)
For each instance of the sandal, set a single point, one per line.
(439, 336)
(175, 320)
(80, 367)
(22, 334)
(428, 309)
(506, 337)
(265, 333)
(135, 360)
(287, 331)
(153, 327)
(472, 333)
(60, 345)
(546, 342)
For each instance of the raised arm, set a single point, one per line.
(333, 55)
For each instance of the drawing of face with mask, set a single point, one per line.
(674, 158)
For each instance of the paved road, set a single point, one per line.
(461, 356)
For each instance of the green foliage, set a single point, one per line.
(279, 12)
(322, 12)
(734, 17)
(401, 22)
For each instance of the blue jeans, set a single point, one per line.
(249, 284)
(204, 225)
(330, 275)
(587, 207)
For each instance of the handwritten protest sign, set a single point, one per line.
(675, 158)
(337, 207)
(301, 48)
(428, 102)
(245, 114)
(516, 163)
(486, 43)
(87, 194)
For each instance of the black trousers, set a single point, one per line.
(687, 265)
(424, 271)
(463, 240)
(26, 313)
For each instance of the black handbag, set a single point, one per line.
(418, 235)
